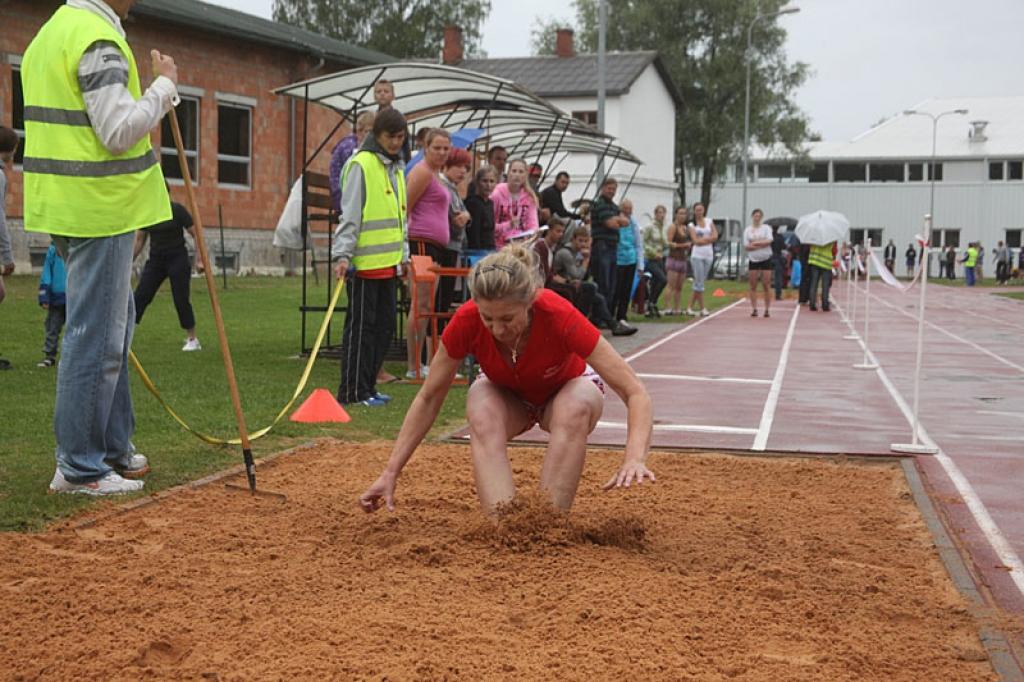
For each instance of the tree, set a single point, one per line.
(402, 28)
(702, 43)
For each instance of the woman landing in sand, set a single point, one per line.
(542, 363)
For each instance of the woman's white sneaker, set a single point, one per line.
(111, 484)
(191, 345)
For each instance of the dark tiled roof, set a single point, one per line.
(550, 76)
(244, 26)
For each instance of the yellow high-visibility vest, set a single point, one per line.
(972, 257)
(381, 240)
(74, 186)
(821, 256)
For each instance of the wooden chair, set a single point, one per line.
(423, 270)
(320, 214)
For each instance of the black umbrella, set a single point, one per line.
(780, 222)
(785, 227)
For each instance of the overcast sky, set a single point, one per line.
(871, 58)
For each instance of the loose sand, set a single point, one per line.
(727, 568)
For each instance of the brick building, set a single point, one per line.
(244, 143)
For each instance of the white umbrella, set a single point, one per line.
(822, 227)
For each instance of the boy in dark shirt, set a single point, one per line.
(168, 259)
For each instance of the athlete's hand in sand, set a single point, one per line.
(630, 472)
(381, 492)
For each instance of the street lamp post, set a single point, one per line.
(915, 446)
(931, 164)
(746, 101)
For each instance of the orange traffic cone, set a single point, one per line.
(718, 293)
(320, 406)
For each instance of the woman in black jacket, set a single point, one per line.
(480, 231)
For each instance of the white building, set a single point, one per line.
(640, 112)
(880, 179)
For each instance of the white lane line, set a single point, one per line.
(955, 337)
(960, 310)
(698, 428)
(689, 327)
(1018, 415)
(972, 436)
(1000, 545)
(688, 377)
(768, 414)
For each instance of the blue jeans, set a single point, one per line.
(969, 274)
(603, 258)
(825, 277)
(93, 419)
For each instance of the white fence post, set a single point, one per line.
(916, 447)
(866, 362)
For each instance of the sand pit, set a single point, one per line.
(727, 568)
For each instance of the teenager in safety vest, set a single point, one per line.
(91, 180)
(370, 244)
(970, 261)
(820, 261)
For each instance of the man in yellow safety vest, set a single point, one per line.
(369, 246)
(820, 261)
(91, 180)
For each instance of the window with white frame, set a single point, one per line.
(915, 172)
(234, 143)
(187, 113)
(849, 172)
(1013, 238)
(589, 117)
(774, 172)
(886, 172)
(946, 237)
(811, 172)
(1006, 170)
(17, 108)
(860, 235)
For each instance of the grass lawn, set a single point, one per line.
(262, 319)
(961, 282)
(1019, 295)
(731, 288)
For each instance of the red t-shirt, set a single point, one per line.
(560, 338)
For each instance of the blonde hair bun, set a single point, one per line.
(512, 273)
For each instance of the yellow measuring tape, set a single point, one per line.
(264, 431)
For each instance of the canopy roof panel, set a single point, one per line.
(528, 142)
(447, 97)
(419, 89)
(497, 121)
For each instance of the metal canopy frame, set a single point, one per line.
(437, 95)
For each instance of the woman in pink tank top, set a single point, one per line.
(428, 233)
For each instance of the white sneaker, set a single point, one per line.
(690, 312)
(191, 345)
(131, 465)
(111, 484)
(424, 371)
(705, 312)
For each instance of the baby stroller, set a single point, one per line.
(642, 303)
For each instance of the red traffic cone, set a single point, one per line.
(320, 406)
(718, 293)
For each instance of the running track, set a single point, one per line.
(788, 384)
